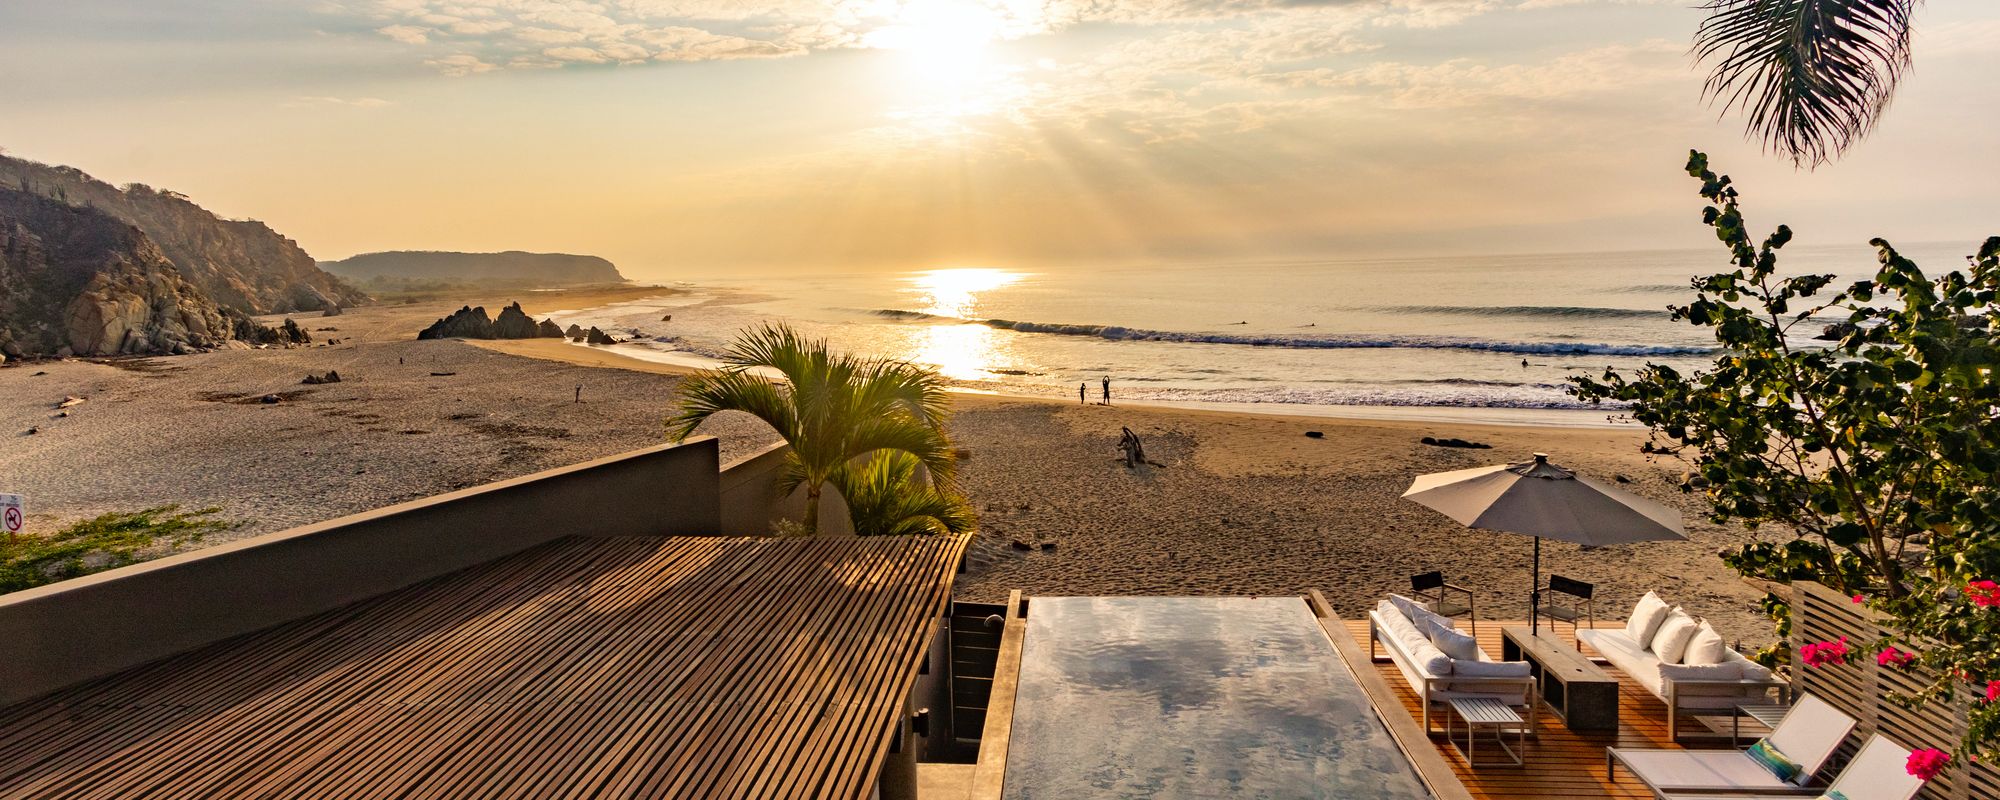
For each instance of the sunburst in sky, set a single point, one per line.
(701, 136)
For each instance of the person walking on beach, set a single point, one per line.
(1079, 394)
(1107, 390)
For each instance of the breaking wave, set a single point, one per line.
(1557, 312)
(1346, 342)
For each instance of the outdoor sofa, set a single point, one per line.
(1682, 661)
(1417, 642)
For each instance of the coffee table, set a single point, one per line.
(1584, 696)
(1489, 713)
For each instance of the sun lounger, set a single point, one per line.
(1807, 736)
(1878, 772)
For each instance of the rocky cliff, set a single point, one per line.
(513, 267)
(239, 264)
(79, 281)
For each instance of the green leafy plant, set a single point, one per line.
(886, 497)
(1879, 451)
(835, 410)
(100, 543)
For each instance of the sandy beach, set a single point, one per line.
(1242, 504)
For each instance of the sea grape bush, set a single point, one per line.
(1877, 452)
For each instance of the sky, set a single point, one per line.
(699, 137)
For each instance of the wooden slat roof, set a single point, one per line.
(586, 667)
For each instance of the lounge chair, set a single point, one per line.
(1808, 735)
(1878, 772)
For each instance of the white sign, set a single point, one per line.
(12, 516)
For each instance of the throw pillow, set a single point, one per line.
(1460, 646)
(1706, 647)
(1646, 619)
(1764, 754)
(1417, 610)
(1672, 640)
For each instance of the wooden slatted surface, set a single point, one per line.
(586, 667)
(1559, 763)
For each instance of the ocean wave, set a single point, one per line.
(1347, 342)
(1558, 312)
(910, 316)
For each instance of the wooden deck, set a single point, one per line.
(1559, 763)
(587, 667)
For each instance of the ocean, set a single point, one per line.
(1380, 337)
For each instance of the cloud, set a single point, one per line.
(526, 32)
(325, 102)
(407, 34)
(459, 65)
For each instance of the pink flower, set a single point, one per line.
(1891, 657)
(1822, 654)
(1927, 763)
(1860, 599)
(1992, 691)
(1983, 593)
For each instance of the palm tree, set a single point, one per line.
(1813, 75)
(832, 408)
(886, 498)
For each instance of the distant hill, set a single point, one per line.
(512, 267)
(75, 280)
(239, 264)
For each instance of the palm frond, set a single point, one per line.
(885, 499)
(1813, 75)
(705, 394)
(902, 434)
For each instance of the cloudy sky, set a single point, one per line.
(700, 136)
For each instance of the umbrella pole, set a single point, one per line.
(1535, 593)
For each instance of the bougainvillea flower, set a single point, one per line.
(1891, 657)
(1822, 654)
(1927, 763)
(1983, 593)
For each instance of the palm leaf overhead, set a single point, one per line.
(835, 410)
(1813, 75)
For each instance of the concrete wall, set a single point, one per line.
(57, 635)
(751, 500)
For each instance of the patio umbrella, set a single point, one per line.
(1539, 499)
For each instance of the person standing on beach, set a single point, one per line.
(1107, 390)
(1079, 393)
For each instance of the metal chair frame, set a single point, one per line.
(1432, 586)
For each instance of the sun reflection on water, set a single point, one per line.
(966, 350)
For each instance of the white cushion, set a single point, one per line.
(1418, 611)
(1646, 618)
(1706, 647)
(1431, 660)
(1672, 640)
(1491, 669)
(1460, 646)
(1726, 671)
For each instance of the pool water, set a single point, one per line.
(1193, 697)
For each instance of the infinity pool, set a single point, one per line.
(1183, 697)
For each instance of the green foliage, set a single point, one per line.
(886, 497)
(835, 410)
(100, 543)
(1813, 75)
(1878, 451)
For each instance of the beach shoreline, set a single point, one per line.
(1244, 504)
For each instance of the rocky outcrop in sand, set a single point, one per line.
(80, 282)
(470, 322)
(237, 264)
(598, 337)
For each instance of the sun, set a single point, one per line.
(945, 43)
